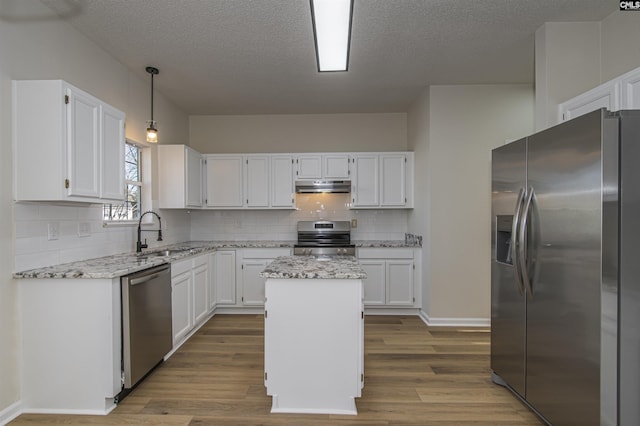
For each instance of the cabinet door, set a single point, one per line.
(225, 271)
(252, 282)
(200, 275)
(604, 96)
(392, 180)
(630, 88)
(366, 181)
(182, 317)
(282, 181)
(400, 282)
(112, 140)
(224, 181)
(83, 144)
(257, 173)
(309, 167)
(335, 166)
(212, 281)
(193, 172)
(374, 285)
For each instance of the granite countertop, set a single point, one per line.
(117, 265)
(310, 267)
(384, 243)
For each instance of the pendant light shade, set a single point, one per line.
(152, 129)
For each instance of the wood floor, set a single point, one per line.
(413, 375)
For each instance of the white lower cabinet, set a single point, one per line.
(190, 287)
(252, 262)
(225, 277)
(181, 289)
(390, 276)
(200, 275)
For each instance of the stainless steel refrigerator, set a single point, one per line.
(565, 274)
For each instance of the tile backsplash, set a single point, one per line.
(81, 234)
(238, 225)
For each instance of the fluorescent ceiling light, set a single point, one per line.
(332, 33)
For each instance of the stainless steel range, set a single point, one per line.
(324, 238)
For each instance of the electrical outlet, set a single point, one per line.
(354, 223)
(53, 230)
(84, 229)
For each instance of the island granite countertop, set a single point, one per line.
(310, 267)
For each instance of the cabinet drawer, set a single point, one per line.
(180, 267)
(385, 253)
(200, 260)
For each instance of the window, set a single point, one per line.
(129, 209)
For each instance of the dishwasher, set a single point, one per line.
(146, 321)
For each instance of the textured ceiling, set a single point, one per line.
(257, 56)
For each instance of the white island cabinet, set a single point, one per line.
(314, 334)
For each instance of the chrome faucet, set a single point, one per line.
(139, 244)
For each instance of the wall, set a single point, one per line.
(36, 45)
(418, 219)
(567, 64)
(298, 133)
(238, 225)
(464, 123)
(620, 49)
(574, 57)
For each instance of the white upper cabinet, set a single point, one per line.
(180, 177)
(620, 93)
(393, 180)
(382, 180)
(257, 181)
(309, 167)
(67, 144)
(335, 166)
(83, 124)
(112, 136)
(604, 96)
(630, 90)
(323, 166)
(225, 181)
(282, 183)
(366, 181)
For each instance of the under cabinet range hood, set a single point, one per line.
(324, 186)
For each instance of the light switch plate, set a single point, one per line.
(354, 223)
(53, 231)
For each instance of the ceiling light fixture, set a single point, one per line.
(152, 130)
(332, 33)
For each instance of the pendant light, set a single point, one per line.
(152, 130)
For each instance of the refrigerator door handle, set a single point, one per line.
(522, 237)
(515, 242)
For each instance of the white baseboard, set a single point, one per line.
(10, 413)
(454, 322)
(391, 311)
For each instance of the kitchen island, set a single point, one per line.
(314, 334)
